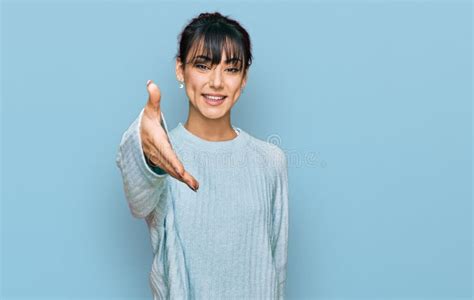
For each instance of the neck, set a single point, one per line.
(213, 130)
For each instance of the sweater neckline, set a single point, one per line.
(212, 146)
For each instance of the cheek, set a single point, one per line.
(192, 90)
(198, 87)
(235, 98)
(237, 91)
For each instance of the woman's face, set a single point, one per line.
(200, 79)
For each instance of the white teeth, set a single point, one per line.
(213, 97)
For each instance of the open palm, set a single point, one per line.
(155, 142)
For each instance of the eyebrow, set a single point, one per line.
(228, 61)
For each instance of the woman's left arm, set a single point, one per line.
(280, 221)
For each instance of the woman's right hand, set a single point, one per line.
(155, 141)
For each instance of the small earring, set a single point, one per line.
(181, 84)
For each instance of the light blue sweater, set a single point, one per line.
(229, 239)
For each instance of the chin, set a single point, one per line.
(213, 114)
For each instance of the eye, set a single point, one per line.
(201, 66)
(234, 70)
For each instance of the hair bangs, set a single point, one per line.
(209, 46)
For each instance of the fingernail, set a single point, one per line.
(148, 82)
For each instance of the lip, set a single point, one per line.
(215, 95)
(214, 103)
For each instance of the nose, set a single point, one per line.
(215, 81)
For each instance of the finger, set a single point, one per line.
(182, 176)
(170, 160)
(154, 96)
(179, 170)
(158, 160)
(190, 181)
(173, 165)
(185, 176)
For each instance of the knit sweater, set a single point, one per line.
(229, 239)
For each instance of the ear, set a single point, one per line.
(179, 70)
(244, 80)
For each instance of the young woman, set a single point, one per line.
(214, 197)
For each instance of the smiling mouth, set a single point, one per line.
(214, 97)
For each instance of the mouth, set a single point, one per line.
(214, 99)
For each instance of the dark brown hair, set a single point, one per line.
(208, 34)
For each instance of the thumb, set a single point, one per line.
(154, 95)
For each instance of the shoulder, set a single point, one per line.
(271, 154)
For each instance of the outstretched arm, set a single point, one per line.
(146, 143)
(142, 186)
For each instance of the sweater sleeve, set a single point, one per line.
(280, 222)
(143, 187)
